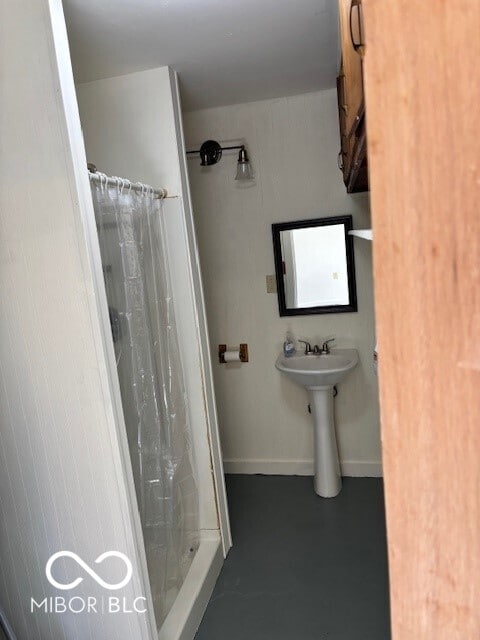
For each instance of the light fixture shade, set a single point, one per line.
(244, 169)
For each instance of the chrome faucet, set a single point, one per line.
(316, 350)
(325, 350)
(308, 347)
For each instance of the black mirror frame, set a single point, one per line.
(277, 251)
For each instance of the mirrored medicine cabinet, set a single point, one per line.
(314, 265)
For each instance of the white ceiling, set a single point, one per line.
(225, 51)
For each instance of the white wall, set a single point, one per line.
(293, 143)
(131, 129)
(128, 126)
(64, 484)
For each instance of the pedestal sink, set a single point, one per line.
(318, 374)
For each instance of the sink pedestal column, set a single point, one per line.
(328, 479)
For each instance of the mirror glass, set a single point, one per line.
(314, 266)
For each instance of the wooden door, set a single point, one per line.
(422, 83)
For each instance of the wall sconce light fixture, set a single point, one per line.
(211, 153)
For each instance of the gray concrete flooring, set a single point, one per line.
(302, 567)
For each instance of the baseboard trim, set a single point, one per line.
(362, 469)
(354, 469)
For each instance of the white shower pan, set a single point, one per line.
(187, 611)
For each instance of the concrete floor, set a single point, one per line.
(302, 567)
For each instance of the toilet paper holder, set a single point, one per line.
(242, 352)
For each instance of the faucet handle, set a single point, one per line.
(308, 346)
(325, 345)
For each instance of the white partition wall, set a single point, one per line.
(65, 479)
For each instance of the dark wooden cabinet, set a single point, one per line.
(352, 158)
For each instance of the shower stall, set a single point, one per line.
(148, 266)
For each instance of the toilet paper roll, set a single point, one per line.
(232, 356)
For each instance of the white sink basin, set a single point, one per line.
(315, 371)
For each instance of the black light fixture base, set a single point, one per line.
(210, 153)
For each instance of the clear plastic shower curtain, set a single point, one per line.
(134, 258)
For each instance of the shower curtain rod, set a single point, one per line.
(114, 181)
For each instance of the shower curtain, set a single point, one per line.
(135, 263)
